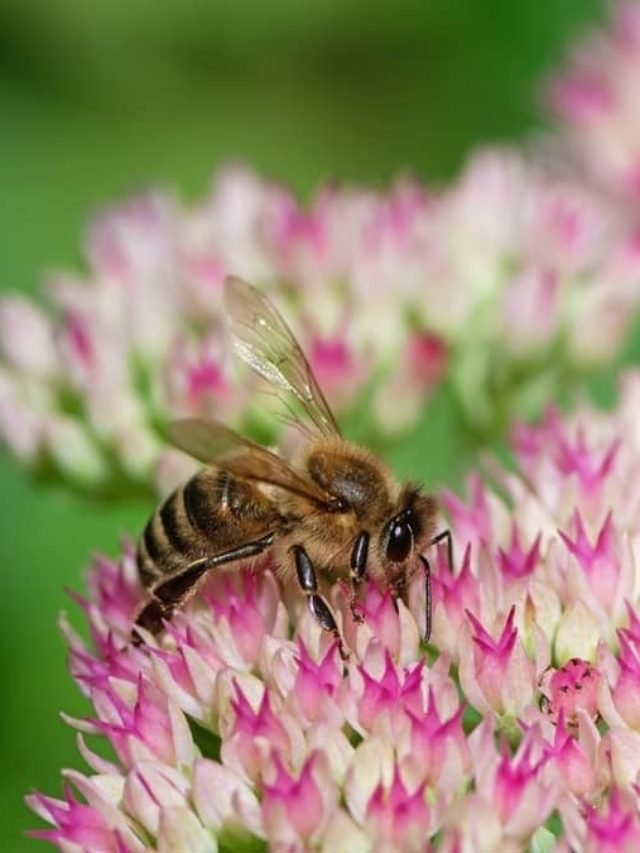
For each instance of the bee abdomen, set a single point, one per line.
(168, 540)
(176, 523)
(213, 513)
(202, 501)
(147, 569)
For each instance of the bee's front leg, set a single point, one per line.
(317, 604)
(445, 536)
(428, 602)
(359, 555)
(399, 591)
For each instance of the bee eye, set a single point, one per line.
(400, 540)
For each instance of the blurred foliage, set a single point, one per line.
(100, 98)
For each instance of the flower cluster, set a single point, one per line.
(595, 100)
(532, 280)
(507, 281)
(241, 726)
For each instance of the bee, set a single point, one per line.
(335, 511)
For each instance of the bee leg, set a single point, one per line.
(354, 603)
(167, 595)
(359, 555)
(319, 608)
(445, 536)
(441, 537)
(427, 598)
(399, 591)
(151, 617)
(174, 591)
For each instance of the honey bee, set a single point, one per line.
(336, 511)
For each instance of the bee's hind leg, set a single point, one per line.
(172, 592)
(168, 595)
(318, 607)
(151, 618)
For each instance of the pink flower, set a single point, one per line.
(619, 754)
(316, 683)
(245, 611)
(496, 673)
(255, 735)
(338, 368)
(514, 785)
(151, 791)
(615, 827)
(574, 759)
(390, 693)
(570, 689)
(474, 521)
(296, 808)
(224, 801)
(199, 378)
(517, 562)
(626, 690)
(593, 100)
(436, 750)
(515, 781)
(139, 722)
(453, 596)
(388, 622)
(421, 366)
(27, 338)
(95, 825)
(398, 817)
(598, 561)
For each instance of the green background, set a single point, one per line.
(98, 99)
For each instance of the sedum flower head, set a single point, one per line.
(507, 282)
(242, 728)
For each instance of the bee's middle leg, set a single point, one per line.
(318, 606)
(358, 573)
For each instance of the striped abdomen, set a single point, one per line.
(215, 512)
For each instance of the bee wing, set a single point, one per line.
(265, 342)
(213, 443)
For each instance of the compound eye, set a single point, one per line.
(400, 541)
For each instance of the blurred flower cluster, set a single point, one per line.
(241, 726)
(595, 99)
(508, 282)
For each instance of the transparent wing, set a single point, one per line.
(213, 443)
(265, 342)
